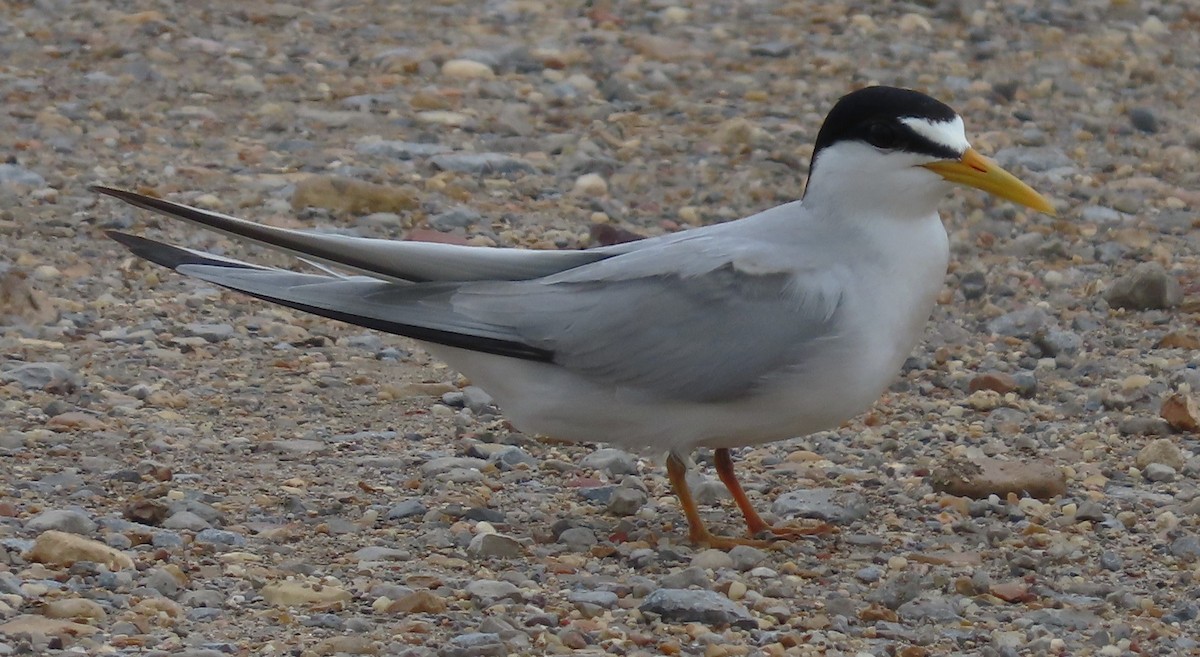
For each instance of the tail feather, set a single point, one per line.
(415, 262)
(418, 311)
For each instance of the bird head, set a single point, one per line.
(897, 151)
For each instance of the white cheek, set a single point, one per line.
(951, 134)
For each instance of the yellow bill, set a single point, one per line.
(975, 170)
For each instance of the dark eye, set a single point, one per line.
(883, 135)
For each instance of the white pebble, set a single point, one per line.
(466, 69)
(591, 184)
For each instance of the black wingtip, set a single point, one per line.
(166, 255)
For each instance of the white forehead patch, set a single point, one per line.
(950, 134)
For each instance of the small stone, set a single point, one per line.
(351, 196)
(186, 520)
(994, 381)
(75, 420)
(246, 85)
(292, 593)
(219, 537)
(1144, 119)
(487, 592)
(600, 599)
(475, 644)
(466, 69)
(407, 509)
(611, 461)
(1020, 323)
(380, 553)
(746, 557)
(626, 501)
(447, 464)
(869, 574)
(418, 602)
(64, 549)
(772, 49)
(15, 174)
(481, 163)
(1163, 451)
(63, 520)
(1147, 287)
(76, 609)
(460, 217)
(497, 546)
(1186, 548)
(210, 332)
(1160, 473)
(692, 606)
(712, 560)
(578, 538)
(1111, 561)
(1181, 412)
(477, 399)
(591, 185)
(687, 578)
(983, 477)
(30, 625)
(51, 377)
(400, 150)
(931, 607)
(828, 504)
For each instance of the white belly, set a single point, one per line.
(885, 308)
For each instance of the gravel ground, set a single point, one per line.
(187, 471)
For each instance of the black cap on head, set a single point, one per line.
(873, 116)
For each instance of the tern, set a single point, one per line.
(784, 323)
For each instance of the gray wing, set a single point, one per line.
(698, 320)
(387, 259)
(701, 319)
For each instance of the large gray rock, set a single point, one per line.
(691, 606)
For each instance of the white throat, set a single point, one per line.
(851, 180)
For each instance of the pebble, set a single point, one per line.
(746, 557)
(65, 549)
(1144, 119)
(63, 520)
(712, 560)
(476, 644)
(460, 217)
(1160, 473)
(186, 520)
(828, 504)
(578, 538)
(486, 592)
(591, 185)
(292, 593)
(345, 195)
(687, 605)
(76, 609)
(983, 477)
(1147, 287)
(15, 174)
(496, 546)
(1161, 451)
(210, 332)
(625, 501)
(610, 461)
(220, 537)
(407, 509)
(482, 163)
(466, 69)
(52, 377)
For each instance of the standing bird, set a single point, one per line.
(777, 325)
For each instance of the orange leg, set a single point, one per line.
(697, 532)
(754, 522)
